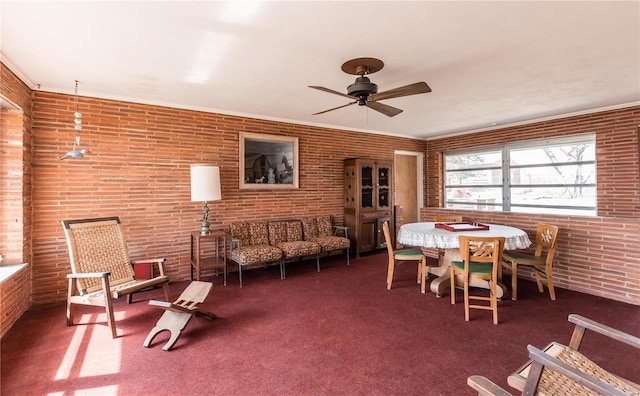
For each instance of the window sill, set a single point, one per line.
(7, 270)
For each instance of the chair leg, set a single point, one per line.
(108, 305)
(165, 287)
(453, 284)
(174, 322)
(240, 273)
(348, 257)
(552, 292)
(69, 305)
(494, 300)
(419, 272)
(539, 280)
(423, 281)
(549, 280)
(466, 298)
(318, 262)
(514, 281)
(69, 313)
(392, 264)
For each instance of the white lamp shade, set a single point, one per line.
(205, 182)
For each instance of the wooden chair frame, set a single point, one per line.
(539, 359)
(546, 237)
(396, 257)
(484, 250)
(438, 253)
(178, 313)
(101, 269)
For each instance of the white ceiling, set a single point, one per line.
(488, 63)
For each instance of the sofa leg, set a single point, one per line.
(318, 262)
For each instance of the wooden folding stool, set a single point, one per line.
(179, 312)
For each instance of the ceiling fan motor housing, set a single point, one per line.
(361, 89)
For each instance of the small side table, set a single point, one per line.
(210, 259)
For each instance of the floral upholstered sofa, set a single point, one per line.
(320, 229)
(250, 245)
(286, 235)
(281, 241)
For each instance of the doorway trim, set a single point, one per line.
(420, 170)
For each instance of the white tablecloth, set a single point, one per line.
(426, 235)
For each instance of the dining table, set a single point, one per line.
(427, 235)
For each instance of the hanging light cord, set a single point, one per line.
(77, 117)
(75, 98)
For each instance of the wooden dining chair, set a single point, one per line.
(436, 253)
(546, 236)
(480, 258)
(397, 257)
(448, 219)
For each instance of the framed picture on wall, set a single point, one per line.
(268, 162)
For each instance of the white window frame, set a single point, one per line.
(506, 185)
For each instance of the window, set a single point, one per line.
(553, 176)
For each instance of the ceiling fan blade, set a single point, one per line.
(336, 108)
(411, 89)
(332, 91)
(387, 110)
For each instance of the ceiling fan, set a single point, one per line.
(365, 93)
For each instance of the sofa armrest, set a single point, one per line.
(235, 242)
(344, 229)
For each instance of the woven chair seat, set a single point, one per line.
(128, 287)
(553, 383)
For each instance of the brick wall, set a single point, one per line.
(138, 169)
(15, 193)
(14, 298)
(595, 255)
(12, 223)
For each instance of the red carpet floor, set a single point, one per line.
(337, 332)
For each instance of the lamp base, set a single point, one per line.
(204, 227)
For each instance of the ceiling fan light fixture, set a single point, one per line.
(362, 88)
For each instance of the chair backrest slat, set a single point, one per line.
(448, 219)
(387, 238)
(546, 237)
(481, 249)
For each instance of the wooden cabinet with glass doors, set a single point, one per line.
(368, 202)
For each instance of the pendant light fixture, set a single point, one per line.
(77, 117)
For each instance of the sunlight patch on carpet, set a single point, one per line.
(102, 354)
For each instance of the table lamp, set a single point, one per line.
(205, 186)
